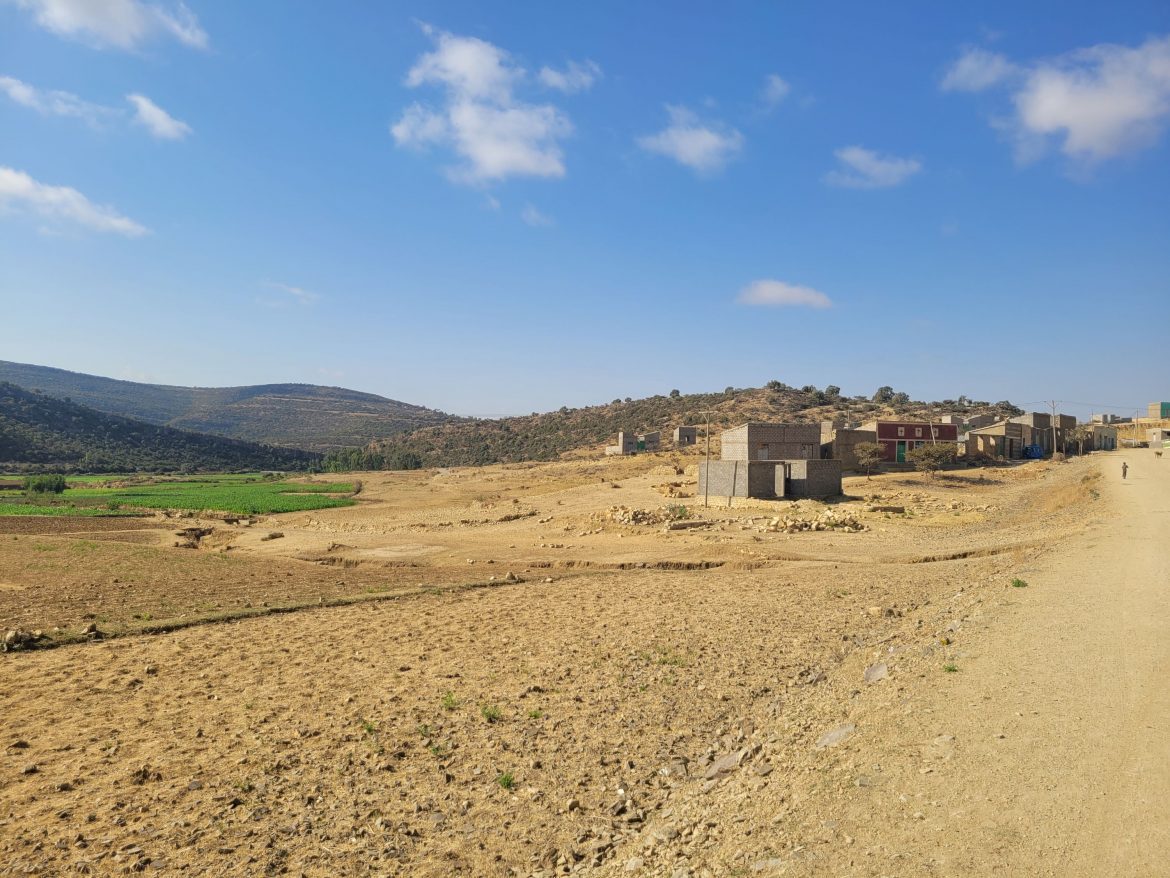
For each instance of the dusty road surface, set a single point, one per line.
(733, 698)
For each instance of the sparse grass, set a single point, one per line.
(535, 714)
(1019, 583)
(449, 702)
(369, 727)
(678, 512)
(951, 668)
(424, 731)
(491, 713)
(438, 750)
(506, 780)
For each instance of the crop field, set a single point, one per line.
(231, 493)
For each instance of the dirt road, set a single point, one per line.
(1045, 751)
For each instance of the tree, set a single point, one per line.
(833, 391)
(883, 394)
(674, 394)
(930, 458)
(776, 386)
(869, 455)
(46, 484)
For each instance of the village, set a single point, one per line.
(769, 461)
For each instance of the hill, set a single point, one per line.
(39, 432)
(295, 415)
(552, 434)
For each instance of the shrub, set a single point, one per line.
(45, 484)
(930, 458)
(869, 455)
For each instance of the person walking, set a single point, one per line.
(1124, 470)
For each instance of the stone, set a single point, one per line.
(876, 672)
(722, 766)
(835, 736)
(633, 864)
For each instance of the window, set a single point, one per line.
(917, 431)
(901, 431)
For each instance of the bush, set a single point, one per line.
(868, 454)
(45, 484)
(932, 457)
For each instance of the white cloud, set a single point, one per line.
(777, 293)
(703, 147)
(865, 169)
(978, 69)
(123, 24)
(496, 134)
(53, 103)
(534, 217)
(21, 192)
(1097, 103)
(295, 294)
(156, 120)
(574, 78)
(774, 91)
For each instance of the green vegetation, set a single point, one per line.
(450, 702)
(45, 484)
(257, 496)
(290, 415)
(1019, 583)
(951, 668)
(506, 780)
(678, 512)
(535, 714)
(869, 455)
(349, 459)
(931, 457)
(491, 713)
(39, 432)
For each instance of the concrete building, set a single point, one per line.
(771, 461)
(685, 436)
(1102, 437)
(839, 444)
(1002, 441)
(899, 437)
(627, 443)
(771, 442)
(770, 479)
(977, 421)
(1042, 429)
(1158, 438)
(1159, 410)
(649, 441)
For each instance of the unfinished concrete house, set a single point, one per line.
(649, 441)
(1042, 429)
(771, 462)
(838, 439)
(771, 442)
(1002, 441)
(685, 436)
(627, 443)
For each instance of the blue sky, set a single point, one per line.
(503, 208)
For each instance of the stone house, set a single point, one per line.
(899, 437)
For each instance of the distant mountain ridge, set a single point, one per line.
(308, 416)
(41, 432)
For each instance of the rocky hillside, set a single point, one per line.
(294, 415)
(39, 432)
(552, 434)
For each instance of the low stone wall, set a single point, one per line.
(813, 478)
(763, 479)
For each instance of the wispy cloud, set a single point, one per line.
(54, 103)
(534, 217)
(778, 294)
(866, 169)
(574, 78)
(977, 70)
(294, 295)
(21, 193)
(122, 24)
(156, 120)
(774, 91)
(495, 134)
(1097, 103)
(705, 147)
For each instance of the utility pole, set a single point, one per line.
(1054, 427)
(707, 465)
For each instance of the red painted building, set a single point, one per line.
(898, 437)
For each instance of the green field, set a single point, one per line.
(244, 495)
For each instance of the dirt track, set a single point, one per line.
(652, 721)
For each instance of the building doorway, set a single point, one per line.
(900, 452)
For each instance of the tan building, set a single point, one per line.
(771, 442)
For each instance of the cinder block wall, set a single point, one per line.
(763, 480)
(784, 441)
(813, 478)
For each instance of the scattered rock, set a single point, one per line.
(274, 535)
(833, 737)
(876, 672)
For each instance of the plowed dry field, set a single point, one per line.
(513, 670)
